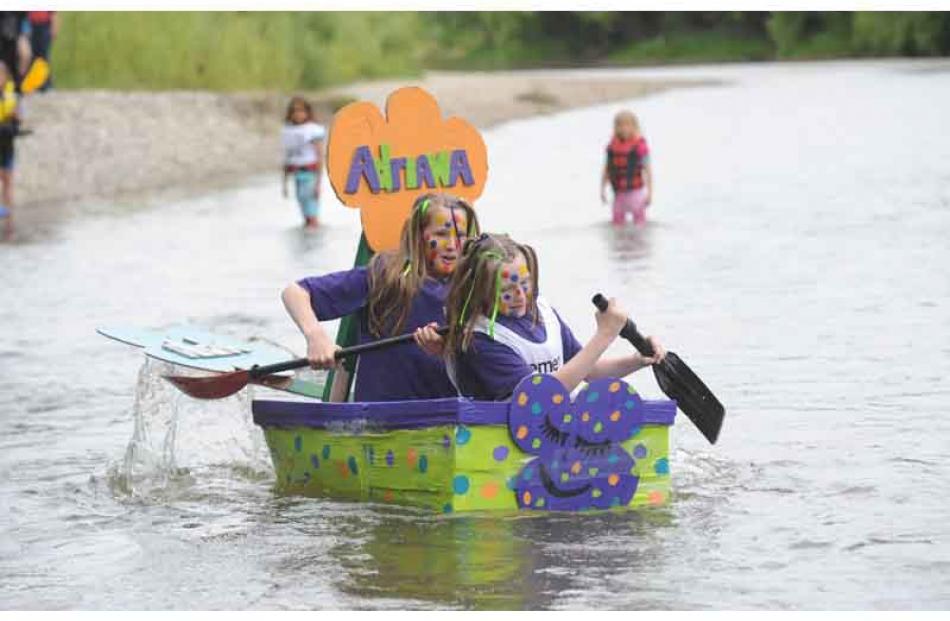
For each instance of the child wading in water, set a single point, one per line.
(501, 330)
(399, 291)
(8, 131)
(628, 170)
(303, 145)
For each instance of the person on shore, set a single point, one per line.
(302, 138)
(15, 44)
(43, 29)
(628, 171)
(399, 291)
(8, 131)
(501, 330)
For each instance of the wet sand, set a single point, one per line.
(113, 144)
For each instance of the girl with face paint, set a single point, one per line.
(399, 291)
(501, 330)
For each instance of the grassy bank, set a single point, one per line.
(232, 51)
(304, 51)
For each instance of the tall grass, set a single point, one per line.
(231, 51)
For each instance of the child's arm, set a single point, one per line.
(330, 296)
(609, 324)
(621, 366)
(320, 347)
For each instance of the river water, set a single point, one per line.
(796, 257)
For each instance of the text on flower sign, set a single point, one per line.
(442, 169)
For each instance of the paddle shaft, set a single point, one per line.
(256, 371)
(629, 330)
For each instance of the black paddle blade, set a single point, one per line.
(678, 382)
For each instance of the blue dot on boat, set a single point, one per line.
(640, 451)
(535, 408)
(447, 507)
(351, 462)
(662, 466)
(462, 435)
(390, 458)
(423, 463)
(594, 396)
(460, 484)
(613, 458)
(298, 443)
(326, 451)
(629, 403)
(500, 453)
(314, 461)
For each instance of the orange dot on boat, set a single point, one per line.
(411, 457)
(585, 416)
(490, 490)
(615, 415)
(613, 479)
(614, 387)
(557, 398)
(522, 398)
(576, 467)
(522, 432)
(388, 495)
(344, 471)
(526, 498)
(655, 498)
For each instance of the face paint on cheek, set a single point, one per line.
(504, 305)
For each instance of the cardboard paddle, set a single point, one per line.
(225, 385)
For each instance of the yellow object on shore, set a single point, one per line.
(7, 102)
(36, 77)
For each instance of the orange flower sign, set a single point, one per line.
(380, 165)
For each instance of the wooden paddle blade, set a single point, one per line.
(678, 382)
(214, 387)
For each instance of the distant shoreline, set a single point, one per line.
(114, 144)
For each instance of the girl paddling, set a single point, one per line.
(399, 291)
(501, 330)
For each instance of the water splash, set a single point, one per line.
(175, 439)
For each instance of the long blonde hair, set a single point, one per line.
(476, 286)
(396, 276)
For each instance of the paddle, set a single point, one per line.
(678, 382)
(218, 386)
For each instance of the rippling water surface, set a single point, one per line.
(797, 257)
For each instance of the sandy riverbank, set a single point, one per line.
(107, 143)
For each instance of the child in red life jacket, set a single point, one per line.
(628, 170)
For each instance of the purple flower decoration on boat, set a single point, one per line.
(580, 461)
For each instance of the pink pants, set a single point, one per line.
(631, 201)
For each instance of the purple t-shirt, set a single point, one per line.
(397, 373)
(489, 370)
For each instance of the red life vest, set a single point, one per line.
(625, 160)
